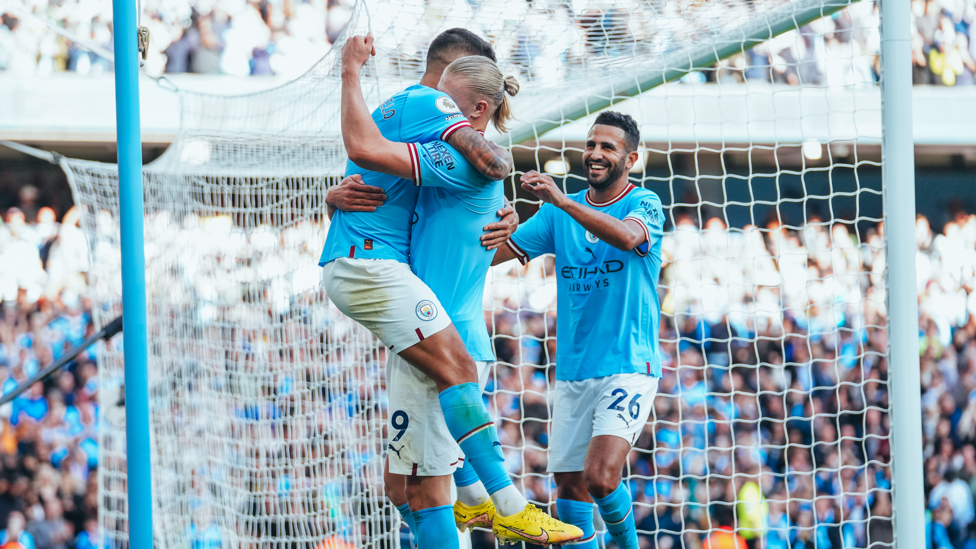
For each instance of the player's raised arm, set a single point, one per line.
(486, 157)
(365, 145)
(624, 234)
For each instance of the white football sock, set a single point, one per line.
(472, 495)
(508, 501)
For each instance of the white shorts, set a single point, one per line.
(418, 442)
(615, 405)
(387, 298)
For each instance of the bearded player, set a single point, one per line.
(607, 241)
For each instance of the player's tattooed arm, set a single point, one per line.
(497, 233)
(352, 195)
(621, 234)
(486, 157)
(365, 145)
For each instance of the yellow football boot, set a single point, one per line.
(533, 526)
(478, 516)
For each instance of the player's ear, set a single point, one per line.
(481, 108)
(632, 158)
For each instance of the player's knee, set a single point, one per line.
(575, 490)
(601, 482)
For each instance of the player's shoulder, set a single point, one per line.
(426, 96)
(644, 199)
(642, 196)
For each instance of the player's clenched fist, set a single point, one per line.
(356, 51)
(543, 187)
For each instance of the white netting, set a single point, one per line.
(267, 405)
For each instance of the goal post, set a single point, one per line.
(267, 414)
(898, 170)
(131, 241)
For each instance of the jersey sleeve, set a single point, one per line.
(534, 237)
(441, 165)
(649, 213)
(431, 116)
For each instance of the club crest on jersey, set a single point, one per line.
(591, 238)
(426, 310)
(446, 105)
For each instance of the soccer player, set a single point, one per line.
(386, 297)
(607, 241)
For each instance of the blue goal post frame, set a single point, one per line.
(131, 213)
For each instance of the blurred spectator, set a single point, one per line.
(263, 37)
(724, 537)
(48, 447)
(15, 536)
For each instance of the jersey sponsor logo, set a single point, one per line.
(607, 267)
(439, 156)
(368, 244)
(426, 310)
(446, 105)
(653, 213)
(591, 238)
(590, 252)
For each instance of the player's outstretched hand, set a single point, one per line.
(498, 232)
(352, 195)
(356, 51)
(543, 187)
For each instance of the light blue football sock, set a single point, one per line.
(471, 426)
(408, 518)
(616, 510)
(580, 514)
(436, 528)
(465, 475)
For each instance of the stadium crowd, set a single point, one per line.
(774, 405)
(264, 37)
(48, 439)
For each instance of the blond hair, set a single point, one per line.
(484, 79)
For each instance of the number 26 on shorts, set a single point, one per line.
(633, 407)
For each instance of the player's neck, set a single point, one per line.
(609, 193)
(430, 79)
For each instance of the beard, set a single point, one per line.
(613, 173)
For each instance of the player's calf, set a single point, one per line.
(430, 500)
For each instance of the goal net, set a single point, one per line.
(761, 133)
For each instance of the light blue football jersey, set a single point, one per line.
(456, 202)
(418, 114)
(608, 311)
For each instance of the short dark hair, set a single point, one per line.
(625, 123)
(457, 42)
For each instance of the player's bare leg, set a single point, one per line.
(430, 502)
(396, 490)
(444, 358)
(599, 480)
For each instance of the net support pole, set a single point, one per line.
(131, 213)
(898, 175)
